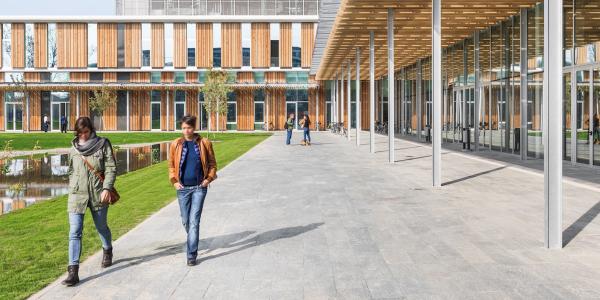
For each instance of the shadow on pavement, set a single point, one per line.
(210, 244)
(572, 231)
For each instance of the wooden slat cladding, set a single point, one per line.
(139, 110)
(222, 122)
(191, 77)
(79, 76)
(180, 45)
(107, 45)
(275, 77)
(35, 110)
(167, 77)
(72, 109)
(285, 45)
(84, 103)
(245, 77)
(72, 45)
(40, 40)
(18, 45)
(110, 77)
(365, 114)
(191, 105)
(307, 44)
(231, 43)
(260, 51)
(32, 77)
(204, 45)
(275, 104)
(312, 108)
(140, 77)
(158, 45)
(133, 45)
(1, 60)
(245, 110)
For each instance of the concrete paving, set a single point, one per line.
(332, 221)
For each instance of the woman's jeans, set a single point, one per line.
(76, 230)
(191, 201)
(288, 139)
(307, 135)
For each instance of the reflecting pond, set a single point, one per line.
(27, 180)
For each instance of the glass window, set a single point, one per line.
(274, 35)
(29, 45)
(217, 45)
(259, 109)
(191, 44)
(179, 96)
(179, 77)
(155, 98)
(246, 44)
(259, 77)
(52, 50)
(201, 76)
(231, 112)
(146, 44)
(231, 76)
(6, 45)
(96, 76)
(59, 96)
(120, 45)
(59, 77)
(123, 76)
(296, 45)
(13, 76)
(155, 77)
(92, 45)
(169, 44)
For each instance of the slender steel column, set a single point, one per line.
(390, 41)
(573, 120)
(419, 100)
(358, 97)
(342, 119)
(523, 86)
(553, 113)
(401, 103)
(465, 101)
(317, 91)
(436, 65)
(349, 104)
(477, 90)
(334, 98)
(372, 90)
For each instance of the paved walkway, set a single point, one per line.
(333, 222)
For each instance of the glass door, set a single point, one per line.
(179, 113)
(14, 116)
(155, 113)
(58, 111)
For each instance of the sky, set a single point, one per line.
(57, 7)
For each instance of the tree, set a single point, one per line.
(215, 92)
(21, 92)
(101, 100)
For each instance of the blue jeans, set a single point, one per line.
(76, 231)
(289, 137)
(191, 201)
(307, 134)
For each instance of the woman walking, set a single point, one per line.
(305, 125)
(92, 173)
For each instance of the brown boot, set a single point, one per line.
(107, 258)
(73, 277)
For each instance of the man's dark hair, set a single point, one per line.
(189, 120)
(82, 123)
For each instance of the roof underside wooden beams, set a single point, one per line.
(412, 30)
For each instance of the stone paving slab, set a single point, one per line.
(332, 221)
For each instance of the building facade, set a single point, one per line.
(156, 65)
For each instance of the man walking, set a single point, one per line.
(192, 166)
(289, 126)
(45, 124)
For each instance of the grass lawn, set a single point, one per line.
(51, 140)
(33, 241)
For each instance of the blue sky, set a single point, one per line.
(57, 7)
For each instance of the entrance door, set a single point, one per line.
(58, 110)
(595, 117)
(155, 113)
(179, 112)
(584, 142)
(14, 116)
(291, 108)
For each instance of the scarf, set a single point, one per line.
(89, 147)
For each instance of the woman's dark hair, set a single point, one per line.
(307, 119)
(189, 120)
(82, 123)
